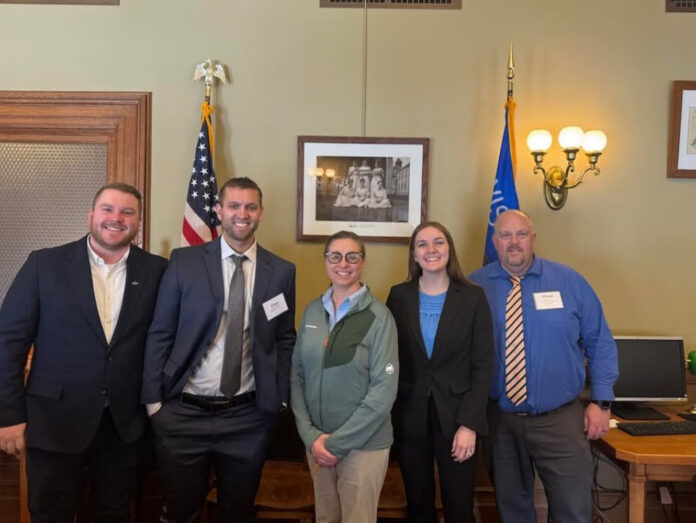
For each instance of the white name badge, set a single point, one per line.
(275, 306)
(548, 300)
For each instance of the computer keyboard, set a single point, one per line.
(637, 412)
(659, 428)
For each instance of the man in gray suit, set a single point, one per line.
(217, 361)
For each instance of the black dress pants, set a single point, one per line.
(416, 453)
(55, 479)
(191, 441)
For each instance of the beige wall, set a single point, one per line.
(296, 69)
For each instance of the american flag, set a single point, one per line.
(201, 223)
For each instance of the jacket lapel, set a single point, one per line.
(263, 276)
(413, 311)
(80, 277)
(212, 261)
(449, 310)
(136, 273)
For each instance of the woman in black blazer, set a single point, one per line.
(445, 355)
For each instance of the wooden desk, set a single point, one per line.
(654, 458)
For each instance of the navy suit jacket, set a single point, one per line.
(457, 375)
(74, 370)
(187, 317)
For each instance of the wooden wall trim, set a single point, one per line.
(121, 120)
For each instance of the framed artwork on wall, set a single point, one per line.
(681, 152)
(65, 2)
(375, 187)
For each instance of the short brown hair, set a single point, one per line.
(345, 235)
(122, 187)
(240, 183)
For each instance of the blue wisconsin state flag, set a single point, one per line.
(504, 192)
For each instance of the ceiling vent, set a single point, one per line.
(680, 6)
(394, 4)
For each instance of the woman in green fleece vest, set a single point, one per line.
(345, 373)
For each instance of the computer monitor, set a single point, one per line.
(650, 369)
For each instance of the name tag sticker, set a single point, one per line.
(275, 306)
(548, 300)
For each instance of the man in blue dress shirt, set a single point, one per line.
(544, 331)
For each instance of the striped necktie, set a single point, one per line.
(515, 371)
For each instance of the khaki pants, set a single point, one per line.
(349, 492)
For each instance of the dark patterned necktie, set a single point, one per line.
(231, 375)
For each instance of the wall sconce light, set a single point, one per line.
(556, 179)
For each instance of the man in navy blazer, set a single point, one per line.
(199, 418)
(85, 307)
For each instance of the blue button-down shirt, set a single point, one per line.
(343, 308)
(557, 341)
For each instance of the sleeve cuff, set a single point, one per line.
(153, 408)
(602, 392)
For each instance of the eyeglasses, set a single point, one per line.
(336, 257)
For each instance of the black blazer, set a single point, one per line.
(187, 317)
(458, 373)
(74, 370)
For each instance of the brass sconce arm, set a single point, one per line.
(557, 181)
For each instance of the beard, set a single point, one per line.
(99, 239)
(237, 235)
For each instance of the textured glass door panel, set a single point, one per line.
(46, 190)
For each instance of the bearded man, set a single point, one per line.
(85, 307)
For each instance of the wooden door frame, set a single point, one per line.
(120, 120)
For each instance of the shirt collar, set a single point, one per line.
(226, 251)
(534, 269)
(326, 297)
(97, 260)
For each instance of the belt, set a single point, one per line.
(215, 403)
(540, 413)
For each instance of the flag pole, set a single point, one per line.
(504, 195)
(209, 70)
(201, 223)
(511, 73)
(510, 105)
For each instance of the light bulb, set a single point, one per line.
(539, 140)
(570, 137)
(594, 142)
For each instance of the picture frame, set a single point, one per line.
(375, 187)
(63, 2)
(681, 151)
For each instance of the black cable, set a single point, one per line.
(596, 459)
(673, 493)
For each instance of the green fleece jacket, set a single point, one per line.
(344, 380)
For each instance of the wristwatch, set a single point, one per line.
(602, 404)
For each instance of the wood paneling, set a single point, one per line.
(122, 121)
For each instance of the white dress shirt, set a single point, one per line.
(109, 282)
(205, 380)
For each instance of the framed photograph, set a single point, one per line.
(681, 153)
(375, 187)
(67, 2)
